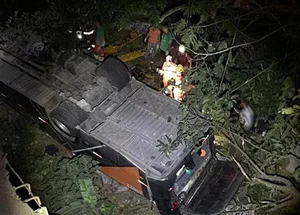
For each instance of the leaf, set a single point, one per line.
(107, 208)
(296, 107)
(210, 48)
(73, 208)
(180, 25)
(222, 45)
(286, 133)
(221, 59)
(197, 44)
(88, 191)
(278, 146)
(287, 111)
(274, 140)
(230, 104)
(204, 16)
(189, 38)
(297, 174)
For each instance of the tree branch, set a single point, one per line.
(263, 71)
(249, 160)
(239, 17)
(271, 184)
(228, 58)
(273, 181)
(273, 204)
(252, 144)
(171, 11)
(282, 203)
(244, 44)
(242, 169)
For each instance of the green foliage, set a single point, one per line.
(88, 192)
(291, 110)
(73, 208)
(64, 181)
(258, 192)
(204, 8)
(222, 81)
(125, 12)
(53, 24)
(225, 77)
(166, 147)
(192, 128)
(65, 185)
(296, 174)
(106, 208)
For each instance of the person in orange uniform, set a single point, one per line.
(178, 92)
(181, 87)
(152, 38)
(168, 71)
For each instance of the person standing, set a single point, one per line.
(184, 59)
(166, 40)
(168, 71)
(99, 40)
(152, 38)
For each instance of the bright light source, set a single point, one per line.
(88, 32)
(181, 49)
(79, 35)
(93, 46)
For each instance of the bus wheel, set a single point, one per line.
(65, 118)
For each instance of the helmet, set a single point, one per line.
(168, 58)
(179, 68)
(181, 49)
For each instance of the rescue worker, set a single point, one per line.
(183, 58)
(166, 40)
(168, 71)
(99, 41)
(179, 74)
(178, 91)
(152, 38)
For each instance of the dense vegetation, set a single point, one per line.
(242, 51)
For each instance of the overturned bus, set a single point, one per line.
(100, 109)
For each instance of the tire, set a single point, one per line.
(65, 118)
(115, 71)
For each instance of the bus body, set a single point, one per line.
(119, 120)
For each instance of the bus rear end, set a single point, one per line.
(204, 184)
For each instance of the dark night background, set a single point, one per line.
(242, 50)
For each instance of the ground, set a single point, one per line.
(131, 42)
